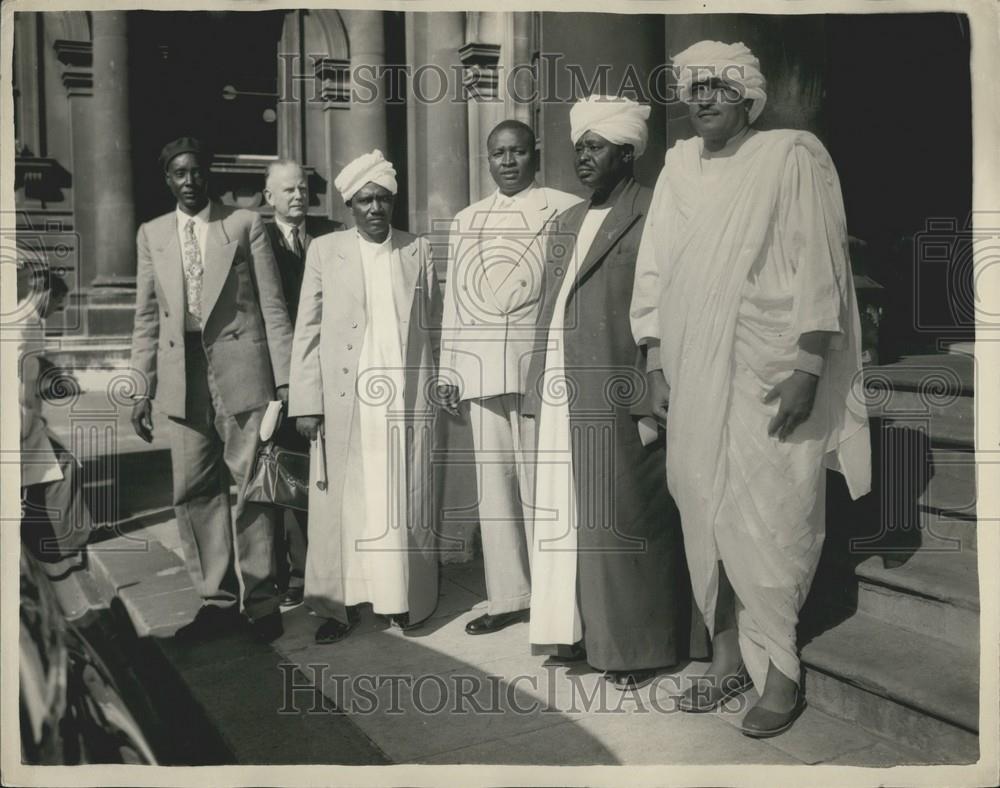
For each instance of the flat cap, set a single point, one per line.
(184, 145)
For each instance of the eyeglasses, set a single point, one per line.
(714, 92)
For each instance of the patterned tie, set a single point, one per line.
(193, 271)
(296, 243)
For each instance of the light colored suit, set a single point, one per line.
(329, 333)
(496, 260)
(491, 299)
(214, 386)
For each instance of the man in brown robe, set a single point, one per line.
(607, 564)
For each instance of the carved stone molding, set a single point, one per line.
(481, 75)
(334, 75)
(41, 178)
(77, 58)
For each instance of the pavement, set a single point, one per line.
(432, 695)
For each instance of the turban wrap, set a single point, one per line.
(731, 63)
(619, 120)
(369, 168)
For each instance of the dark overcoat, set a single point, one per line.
(632, 584)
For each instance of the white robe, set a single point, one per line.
(555, 614)
(742, 253)
(374, 541)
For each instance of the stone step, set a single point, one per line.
(902, 685)
(231, 689)
(939, 531)
(120, 488)
(934, 593)
(951, 490)
(934, 393)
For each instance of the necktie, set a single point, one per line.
(296, 243)
(193, 270)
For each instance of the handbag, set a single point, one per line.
(280, 477)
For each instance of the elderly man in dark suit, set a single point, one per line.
(211, 345)
(290, 233)
(608, 578)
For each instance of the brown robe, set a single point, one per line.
(632, 584)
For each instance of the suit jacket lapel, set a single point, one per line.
(350, 273)
(560, 254)
(536, 213)
(170, 265)
(407, 270)
(622, 216)
(219, 254)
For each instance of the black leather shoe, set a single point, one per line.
(402, 621)
(630, 680)
(761, 723)
(293, 597)
(487, 623)
(706, 694)
(575, 653)
(267, 628)
(211, 621)
(331, 631)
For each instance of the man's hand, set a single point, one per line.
(309, 426)
(796, 395)
(142, 419)
(282, 393)
(448, 397)
(659, 393)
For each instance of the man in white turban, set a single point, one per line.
(363, 362)
(745, 301)
(608, 577)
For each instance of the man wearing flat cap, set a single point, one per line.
(211, 346)
(364, 361)
(608, 579)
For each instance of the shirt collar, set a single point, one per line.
(371, 244)
(500, 198)
(199, 218)
(286, 227)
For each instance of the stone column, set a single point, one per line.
(113, 197)
(438, 177)
(438, 134)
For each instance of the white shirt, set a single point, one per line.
(372, 251)
(592, 222)
(286, 232)
(505, 202)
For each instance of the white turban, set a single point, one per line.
(732, 63)
(369, 168)
(619, 120)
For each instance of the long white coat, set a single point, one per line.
(329, 332)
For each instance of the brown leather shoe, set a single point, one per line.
(706, 694)
(761, 723)
(486, 623)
